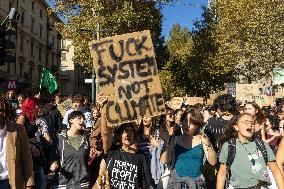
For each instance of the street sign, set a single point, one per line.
(88, 80)
(11, 84)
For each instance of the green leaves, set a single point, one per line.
(114, 16)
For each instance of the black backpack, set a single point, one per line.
(232, 153)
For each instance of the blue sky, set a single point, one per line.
(181, 12)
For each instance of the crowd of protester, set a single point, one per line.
(226, 145)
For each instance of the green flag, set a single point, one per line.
(278, 76)
(48, 81)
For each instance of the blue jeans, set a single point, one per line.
(40, 178)
(4, 184)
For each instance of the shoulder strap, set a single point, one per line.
(173, 160)
(231, 152)
(260, 145)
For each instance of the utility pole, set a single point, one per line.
(93, 69)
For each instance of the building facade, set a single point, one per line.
(36, 43)
(72, 75)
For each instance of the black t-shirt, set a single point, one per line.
(128, 170)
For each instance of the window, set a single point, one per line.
(31, 72)
(33, 5)
(21, 70)
(39, 53)
(63, 44)
(32, 50)
(8, 68)
(22, 43)
(53, 41)
(40, 31)
(52, 59)
(40, 13)
(22, 16)
(32, 24)
(63, 56)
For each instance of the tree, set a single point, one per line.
(191, 65)
(250, 36)
(178, 46)
(115, 17)
(208, 75)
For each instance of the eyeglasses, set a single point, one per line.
(246, 122)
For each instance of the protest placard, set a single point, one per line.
(264, 100)
(230, 89)
(194, 100)
(176, 102)
(64, 106)
(247, 92)
(126, 69)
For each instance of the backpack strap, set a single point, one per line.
(261, 146)
(231, 152)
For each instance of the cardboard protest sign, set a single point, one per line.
(126, 69)
(230, 88)
(247, 92)
(214, 96)
(175, 103)
(64, 106)
(194, 100)
(264, 100)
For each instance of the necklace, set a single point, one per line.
(252, 160)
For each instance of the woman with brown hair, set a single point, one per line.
(186, 152)
(249, 159)
(254, 110)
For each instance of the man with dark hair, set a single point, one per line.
(77, 105)
(225, 107)
(71, 154)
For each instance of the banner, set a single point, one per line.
(64, 106)
(230, 88)
(175, 103)
(194, 100)
(264, 100)
(278, 76)
(247, 92)
(126, 69)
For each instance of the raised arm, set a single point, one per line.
(168, 147)
(107, 136)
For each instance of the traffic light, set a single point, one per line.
(2, 46)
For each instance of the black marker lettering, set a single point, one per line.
(113, 55)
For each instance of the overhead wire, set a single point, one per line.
(180, 3)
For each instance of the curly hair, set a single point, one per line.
(9, 111)
(28, 108)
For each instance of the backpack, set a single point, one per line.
(232, 153)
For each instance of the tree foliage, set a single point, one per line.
(250, 36)
(115, 17)
(191, 63)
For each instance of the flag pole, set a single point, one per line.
(40, 80)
